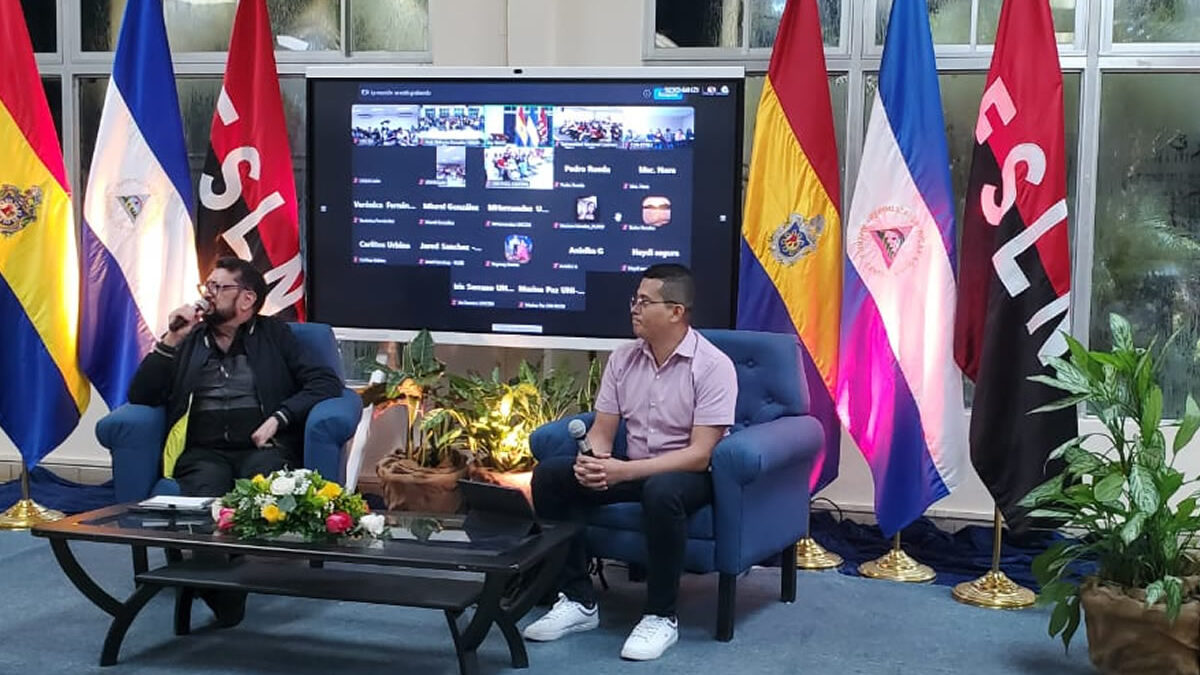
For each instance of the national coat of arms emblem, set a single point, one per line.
(796, 238)
(18, 208)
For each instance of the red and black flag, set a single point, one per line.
(1014, 284)
(248, 202)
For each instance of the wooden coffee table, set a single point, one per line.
(513, 571)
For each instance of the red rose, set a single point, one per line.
(225, 519)
(338, 522)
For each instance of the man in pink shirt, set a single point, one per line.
(676, 393)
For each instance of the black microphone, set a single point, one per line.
(202, 305)
(578, 431)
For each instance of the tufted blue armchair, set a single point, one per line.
(134, 434)
(759, 471)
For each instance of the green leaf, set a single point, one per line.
(1174, 590)
(1057, 591)
(1059, 617)
(1169, 482)
(1141, 489)
(1152, 406)
(286, 503)
(1068, 402)
(1132, 528)
(1152, 454)
(1109, 489)
(1170, 548)
(1062, 449)
(1047, 491)
(1072, 622)
(1191, 422)
(1122, 333)
(1185, 509)
(1080, 461)
(1080, 356)
(1154, 592)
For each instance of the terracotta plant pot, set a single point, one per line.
(519, 479)
(1126, 638)
(410, 487)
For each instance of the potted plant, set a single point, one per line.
(421, 474)
(493, 417)
(1134, 514)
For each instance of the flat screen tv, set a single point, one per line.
(520, 202)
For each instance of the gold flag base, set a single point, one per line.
(994, 590)
(896, 565)
(812, 556)
(25, 514)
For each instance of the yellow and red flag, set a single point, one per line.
(790, 275)
(43, 393)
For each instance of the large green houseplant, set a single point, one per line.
(1128, 506)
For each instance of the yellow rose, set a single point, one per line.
(329, 491)
(272, 513)
(259, 480)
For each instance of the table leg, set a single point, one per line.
(81, 580)
(183, 610)
(468, 658)
(141, 561)
(121, 621)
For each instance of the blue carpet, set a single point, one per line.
(839, 625)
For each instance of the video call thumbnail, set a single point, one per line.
(513, 166)
(628, 127)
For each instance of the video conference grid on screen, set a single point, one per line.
(518, 206)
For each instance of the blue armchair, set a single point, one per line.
(134, 434)
(760, 475)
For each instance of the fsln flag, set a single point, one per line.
(790, 274)
(248, 204)
(1015, 284)
(138, 242)
(900, 392)
(543, 127)
(43, 393)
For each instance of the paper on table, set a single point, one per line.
(167, 503)
(355, 456)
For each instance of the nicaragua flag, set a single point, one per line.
(790, 274)
(900, 393)
(138, 242)
(42, 392)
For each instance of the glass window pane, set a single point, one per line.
(53, 88)
(390, 25)
(838, 93)
(1063, 12)
(197, 101)
(41, 18)
(1156, 21)
(1147, 250)
(765, 15)
(698, 23)
(298, 25)
(949, 21)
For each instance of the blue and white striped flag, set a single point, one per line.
(900, 392)
(138, 242)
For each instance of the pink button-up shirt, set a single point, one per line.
(696, 386)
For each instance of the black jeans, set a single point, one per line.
(210, 473)
(667, 500)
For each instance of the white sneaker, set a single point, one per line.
(566, 616)
(650, 638)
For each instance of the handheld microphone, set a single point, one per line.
(578, 431)
(202, 305)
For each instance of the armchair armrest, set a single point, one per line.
(764, 448)
(330, 424)
(134, 436)
(553, 439)
(760, 489)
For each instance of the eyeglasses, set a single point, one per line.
(214, 288)
(642, 303)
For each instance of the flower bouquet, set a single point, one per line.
(298, 502)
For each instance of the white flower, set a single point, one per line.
(216, 509)
(262, 500)
(283, 485)
(372, 524)
(301, 486)
(301, 473)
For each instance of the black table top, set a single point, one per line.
(429, 541)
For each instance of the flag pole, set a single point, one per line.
(896, 565)
(994, 589)
(26, 513)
